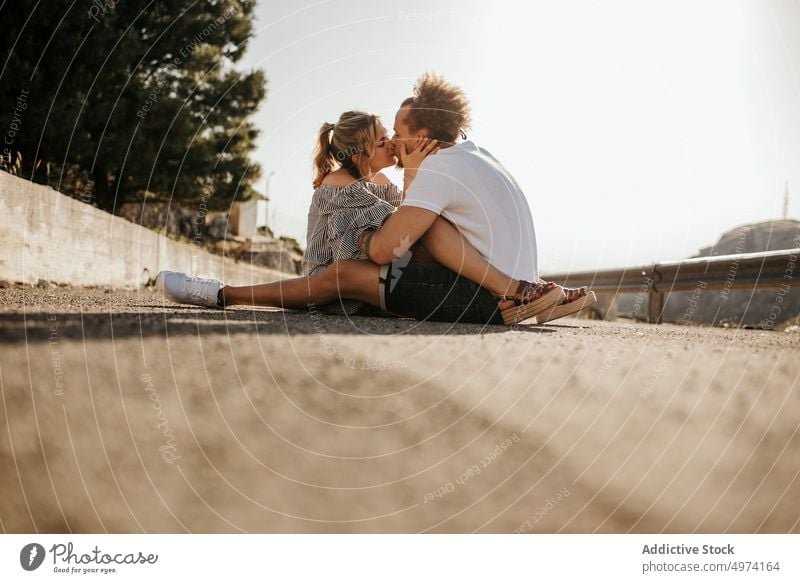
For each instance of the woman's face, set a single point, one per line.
(384, 151)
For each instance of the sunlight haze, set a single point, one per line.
(639, 131)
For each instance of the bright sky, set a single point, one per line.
(639, 131)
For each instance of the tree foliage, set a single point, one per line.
(110, 99)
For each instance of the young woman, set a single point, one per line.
(351, 195)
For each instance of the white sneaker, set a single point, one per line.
(183, 289)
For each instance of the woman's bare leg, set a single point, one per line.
(358, 280)
(352, 280)
(447, 246)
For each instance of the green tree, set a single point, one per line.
(108, 99)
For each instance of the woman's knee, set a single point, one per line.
(343, 271)
(338, 269)
(352, 279)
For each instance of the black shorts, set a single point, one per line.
(428, 291)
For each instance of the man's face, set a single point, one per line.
(402, 133)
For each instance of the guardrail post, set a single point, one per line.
(655, 306)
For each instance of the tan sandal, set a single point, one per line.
(574, 293)
(566, 308)
(530, 300)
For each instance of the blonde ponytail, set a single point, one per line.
(324, 161)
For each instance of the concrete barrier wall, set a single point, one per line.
(45, 234)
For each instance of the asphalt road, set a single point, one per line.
(123, 414)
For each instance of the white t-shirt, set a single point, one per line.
(471, 189)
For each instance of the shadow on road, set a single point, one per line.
(156, 320)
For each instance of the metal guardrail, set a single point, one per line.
(720, 272)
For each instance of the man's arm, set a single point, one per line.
(398, 234)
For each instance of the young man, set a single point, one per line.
(467, 186)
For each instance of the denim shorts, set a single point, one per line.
(429, 291)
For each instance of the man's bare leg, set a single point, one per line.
(352, 280)
(445, 243)
(447, 246)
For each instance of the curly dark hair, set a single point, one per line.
(440, 107)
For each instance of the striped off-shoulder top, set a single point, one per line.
(337, 216)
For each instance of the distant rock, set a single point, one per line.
(765, 308)
(757, 237)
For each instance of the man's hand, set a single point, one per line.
(411, 156)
